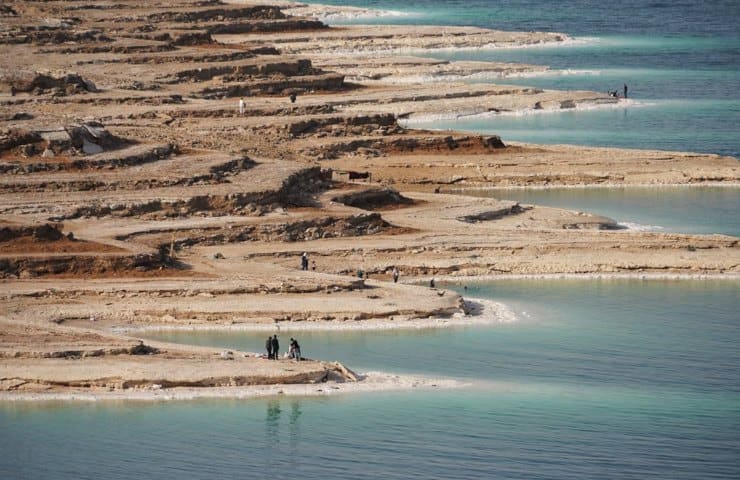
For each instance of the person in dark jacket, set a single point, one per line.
(268, 347)
(275, 347)
(304, 261)
(296, 351)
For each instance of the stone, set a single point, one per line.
(91, 148)
(568, 104)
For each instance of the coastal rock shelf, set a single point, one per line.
(166, 165)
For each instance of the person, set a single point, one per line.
(242, 106)
(291, 348)
(304, 261)
(268, 347)
(395, 274)
(275, 347)
(625, 90)
(296, 351)
(431, 283)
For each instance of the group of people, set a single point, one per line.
(395, 273)
(272, 345)
(304, 262)
(615, 93)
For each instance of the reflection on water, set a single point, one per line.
(272, 422)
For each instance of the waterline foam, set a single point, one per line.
(425, 119)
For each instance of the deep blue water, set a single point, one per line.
(681, 61)
(596, 379)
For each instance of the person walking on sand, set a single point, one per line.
(625, 90)
(304, 261)
(242, 106)
(275, 348)
(268, 347)
(396, 274)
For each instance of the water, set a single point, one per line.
(696, 210)
(620, 379)
(679, 59)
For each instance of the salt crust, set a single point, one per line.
(481, 312)
(421, 119)
(369, 382)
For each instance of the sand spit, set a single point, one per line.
(474, 312)
(137, 194)
(370, 382)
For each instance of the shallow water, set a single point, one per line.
(625, 379)
(679, 60)
(696, 210)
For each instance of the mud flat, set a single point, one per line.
(136, 195)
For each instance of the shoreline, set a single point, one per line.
(730, 276)
(370, 382)
(415, 120)
(486, 312)
(604, 185)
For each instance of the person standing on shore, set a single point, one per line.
(396, 274)
(304, 261)
(242, 106)
(268, 347)
(275, 347)
(296, 351)
(625, 90)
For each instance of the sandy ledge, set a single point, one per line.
(480, 312)
(370, 382)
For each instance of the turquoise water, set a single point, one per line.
(615, 379)
(680, 60)
(696, 210)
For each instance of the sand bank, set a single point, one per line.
(370, 382)
(477, 312)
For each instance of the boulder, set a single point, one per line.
(494, 141)
(38, 82)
